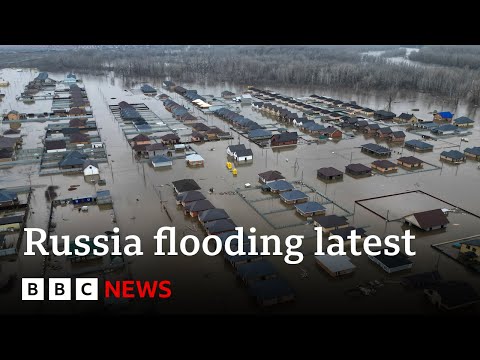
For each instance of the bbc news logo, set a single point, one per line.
(87, 289)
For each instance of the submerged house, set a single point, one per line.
(293, 197)
(161, 161)
(195, 207)
(376, 150)
(396, 136)
(72, 160)
(382, 115)
(243, 155)
(90, 167)
(8, 198)
(335, 265)
(278, 186)
(453, 156)
(383, 133)
(53, 146)
(181, 186)
(428, 220)
(410, 162)
(443, 116)
(195, 160)
(418, 145)
(329, 174)
(463, 122)
(284, 139)
(189, 196)
(451, 295)
(473, 153)
(392, 264)
(358, 170)
(271, 292)
(384, 166)
(269, 176)
(310, 208)
(219, 226)
(406, 118)
(170, 139)
(330, 222)
(148, 89)
(156, 149)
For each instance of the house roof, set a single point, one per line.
(329, 171)
(234, 148)
(330, 130)
(453, 154)
(284, 137)
(446, 127)
(385, 130)
(271, 175)
(405, 116)
(185, 185)
(358, 168)
(194, 157)
(463, 120)
(7, 142)
(77, 122)
(329, 221)
(170, 137)
(161, 159)
(146, 88)
(280, 185)
(55, 144)
(335, 263)
(419, 144)
(156, 146)
(270, 289)
(6, 153)
(393, 261)
(79, 138)
(376, 148)
(11, 219)
(199, 205)
(344, 232)
(373, 126)
(200, 127)
(384, 113)
(411, 160)
(385, 164)
(73, 158)
(397, 134)
(213, 214)
(89, 162)
(6, 195)
(310, 206)
(455, 294)
(474, 150)
(446, 114)
(11, 132)
(220, 225)
(243, 153)
(169, 83)
(140, 137)
(293, 195)
(139, 147)
(428, 219)
(256, 269)
(190, 196)
(259, 133)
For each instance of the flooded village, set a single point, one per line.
(83, 154)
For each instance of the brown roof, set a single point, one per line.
(384, 164)
(79, 138)
(76, 111)
(271, 175)
(329, 171)
(170, 137)
(55, 144)
(141, 137)
(77, 123)
(410, 160)
(431, 218)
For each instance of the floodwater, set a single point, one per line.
(203, 284)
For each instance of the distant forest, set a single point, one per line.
(455, 76)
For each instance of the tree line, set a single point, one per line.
(321, 66)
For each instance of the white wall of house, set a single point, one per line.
(90, 170)
(244, 158)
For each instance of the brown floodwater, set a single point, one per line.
(203, 284)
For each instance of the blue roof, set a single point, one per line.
(474, 151)
(454, 154)
(256, 269)
(446, 114)
(42, 76)
(446, 127)
(270, 289)
(161, 159)
(314, 127)
(73, 158)
(103, 193)
(293, 195)
(463, 120)
(419, 144)
(71, 76)
(6, 195)
(310, 206)
(430, 125)
(280, 185)
(259, 133)
(148, 89)
(376, 148)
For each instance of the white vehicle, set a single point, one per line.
(464, 139)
